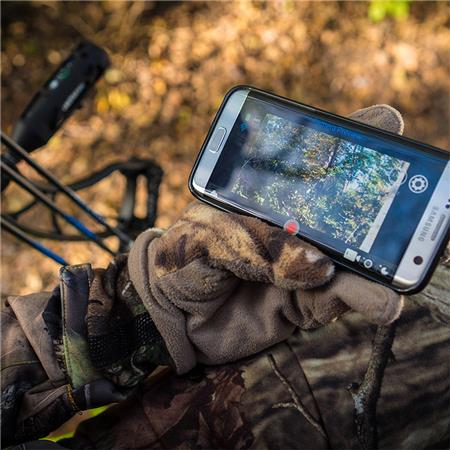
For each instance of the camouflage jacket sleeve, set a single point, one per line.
(88, 343)
(35, 392)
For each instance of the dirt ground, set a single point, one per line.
(171, 66)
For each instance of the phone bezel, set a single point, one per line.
(348, 123)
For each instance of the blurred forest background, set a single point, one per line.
(172, 63)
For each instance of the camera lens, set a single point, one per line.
(418, 260)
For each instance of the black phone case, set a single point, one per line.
(339, 120)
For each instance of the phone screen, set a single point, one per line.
(358, 195)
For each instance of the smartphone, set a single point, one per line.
(375, 202)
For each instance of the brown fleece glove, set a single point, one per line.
(222, 286)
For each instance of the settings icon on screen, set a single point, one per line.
(418, 184)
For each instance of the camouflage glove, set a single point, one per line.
(123, 343)
(222, 286)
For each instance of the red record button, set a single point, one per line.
(291, 226)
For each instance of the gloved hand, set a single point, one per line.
(221, 286)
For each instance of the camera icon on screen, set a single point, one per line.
(418, 184)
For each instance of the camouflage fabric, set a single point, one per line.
(34, 395)
(295, 395)
(86, 344)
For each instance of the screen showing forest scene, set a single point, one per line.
(326, 183)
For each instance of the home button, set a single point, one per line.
(216, 140)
